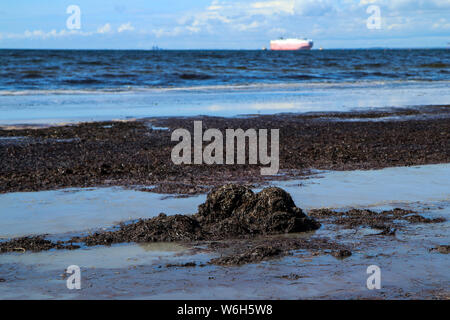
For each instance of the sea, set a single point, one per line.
(60, 86)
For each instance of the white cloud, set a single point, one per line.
(40, 34)
(272, 7)
(215, 5)
(162, 32)
(245, 27)
(441, 24)
(104, 29)
(402, 6)
(331, 16)
(244, 16)
(125, 27)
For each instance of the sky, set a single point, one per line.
(222, 24)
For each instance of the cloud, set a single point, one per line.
(104, 29)
(273, 7)
(167, 32)
(125, 27)
(442, 24)
(330, 17)
(244, 16)
(215, 5)
(40, 34)
(206, 20)
(400, 6)
(245, 27)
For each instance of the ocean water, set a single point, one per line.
(75, 85)
(127, 70)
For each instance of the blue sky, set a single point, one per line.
(222, 24)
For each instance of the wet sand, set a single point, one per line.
(314, 264)
(410, 268)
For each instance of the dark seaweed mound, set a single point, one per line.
(235, 210)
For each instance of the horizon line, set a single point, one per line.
(225, 49)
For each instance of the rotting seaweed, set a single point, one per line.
(131, 153)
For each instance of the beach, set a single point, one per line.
(88, 179)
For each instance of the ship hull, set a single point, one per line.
(290, 45)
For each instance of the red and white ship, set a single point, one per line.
(291, 44)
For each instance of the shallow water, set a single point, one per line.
(367, 188)
(117, 256)
(74, 209)
(70, 210)
(408, 270)
(53, 108)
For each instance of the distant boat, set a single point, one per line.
(291, 44)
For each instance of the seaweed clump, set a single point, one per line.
(233, 210)
(230, 211)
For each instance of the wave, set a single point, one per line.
(194, 76)
(31, 75)
(437, 65)
(93, 63)
(225, 87)
(83, 81)
(367, 66)
(303, 77)
(117, 75)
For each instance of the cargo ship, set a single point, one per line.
(291, 44)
